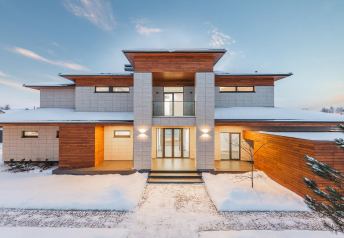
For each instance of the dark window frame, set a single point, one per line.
(236, 89)
(122, 136)
(111, 89)
(23, 134)
(57, 134)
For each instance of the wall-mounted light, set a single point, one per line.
(142, 135)
(205, 133)
(142, 131)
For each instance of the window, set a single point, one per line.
(230, 146)
(111, 89)
(173, 89)
(237, 89)
(30, 134)
(57, 134)
(121, 134)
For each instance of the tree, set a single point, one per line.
(334, 208)
(7, 107)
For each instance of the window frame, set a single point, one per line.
(111, 89)
(121, 136)
(230, 146)
(23, 134)
(57, 134)
(236, 89)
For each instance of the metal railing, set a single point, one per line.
(175, 108)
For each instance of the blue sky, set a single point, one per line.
(39, 39)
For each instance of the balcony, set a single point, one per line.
(171, 109)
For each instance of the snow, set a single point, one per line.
(125, 73)
(50, 84)
(314, 136)
(274, 114)
(37, 190)
(63, 115)
(267, 234)
(34, 232)
(233, 192)
(222, 73)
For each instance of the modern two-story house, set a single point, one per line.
(169, 109)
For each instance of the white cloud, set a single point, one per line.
(35, 56)
(143, 29)
(4, 75)
(17, 85)
(54, 43)
(218, 38)
(99, 12)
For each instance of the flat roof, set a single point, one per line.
(50, 84)
(274, 114)
(63, 115)
(175, 50)
(221, 73)
(313, 136)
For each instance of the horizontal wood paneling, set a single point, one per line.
(227, 81)
(283, 159)
(283, 124)
(120, 81)
(60, 124)
(173, 79)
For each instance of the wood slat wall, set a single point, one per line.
(119, 81)
(283, 159)
(99, 144)
(173, 79)
(227, 81)
(174, 64)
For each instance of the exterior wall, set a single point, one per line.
(263, 97)
(46, 146)
(118, 148)
(192, 139)
(230, 81)
(86, 100)
(174, 121)
(205, 101)
(142, 120)
(283, 159)
(57, 98)
(99, 144)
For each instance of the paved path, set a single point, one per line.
(167, 211)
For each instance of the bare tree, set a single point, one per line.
(7, 107)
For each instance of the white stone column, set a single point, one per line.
(205, 104)
(142, 120)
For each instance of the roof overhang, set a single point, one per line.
(74, 77)
(275, 77)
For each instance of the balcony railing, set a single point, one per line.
(170, 109)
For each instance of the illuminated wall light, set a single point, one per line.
(142, 135)
(142, 131)
(205, 135)
(205, 131)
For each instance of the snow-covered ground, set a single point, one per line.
(34, 232)
(37, 190)
(233, 192)
(268, 234)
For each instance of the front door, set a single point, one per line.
(173, 143)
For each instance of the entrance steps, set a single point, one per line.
(174, 177)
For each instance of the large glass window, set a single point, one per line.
(173, 143)
(173, 101)
(102, 89)
(236, 89)
(230, 146)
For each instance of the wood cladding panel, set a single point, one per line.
(99, 144)
(283, 159)
(228, 81)
(120, 81)
(173, 79)
(176, 63)
(282, 124)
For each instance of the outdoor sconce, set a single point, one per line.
(205, 133)
(142, 131)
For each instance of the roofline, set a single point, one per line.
(101, 74)
(52, 86)
(175, 52)
(70, 121)
(274, 120)
(254, 74)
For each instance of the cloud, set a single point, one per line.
(17, 85)
(99, 12)
(35, 56)
(54, 43)
(143, 30)
(218, 38)
(4, 75)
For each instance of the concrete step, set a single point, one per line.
(175, 175)
(175, 180)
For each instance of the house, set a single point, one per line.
(169, 110)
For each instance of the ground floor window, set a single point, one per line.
(30, 134)
(173, 143)
(230, 145)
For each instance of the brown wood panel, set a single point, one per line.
(284, 162)
(119, 81)
(61, 124)
(228, 81)
(287, 124)
(99, 144)
(173, 79)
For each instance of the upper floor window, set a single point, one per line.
(236, 89)
(112, 89)
(29, 134)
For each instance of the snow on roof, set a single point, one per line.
(274, 114)
(50, 84)
(174, 50)
(124, 73)
(62, 115)
(222, 73)
(314, 136)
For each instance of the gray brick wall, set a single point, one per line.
(86, 100)
(263, 97)
(57, 98)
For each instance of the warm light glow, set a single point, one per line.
(205, 131)
(142, 135)
(205, 135)
(142, 130)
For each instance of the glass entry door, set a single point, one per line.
(173, 143)
(230, 146)
(173, 101)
